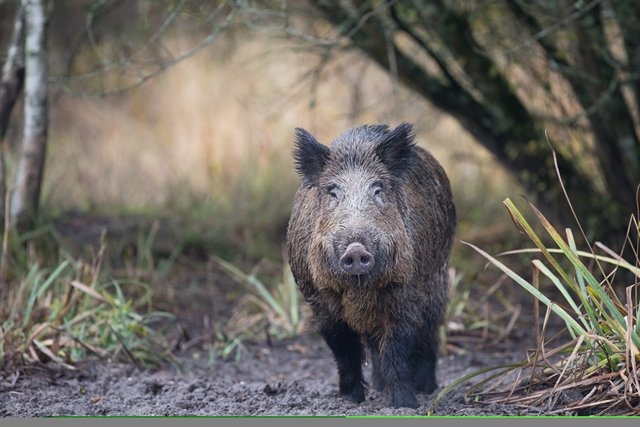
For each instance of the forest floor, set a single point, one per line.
(289, 377)
(293, 376)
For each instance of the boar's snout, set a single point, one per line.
(356, 260)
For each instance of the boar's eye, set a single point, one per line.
(376, 191)
(377, 188)
(332, 190)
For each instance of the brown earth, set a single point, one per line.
(291, 377)
(295, 376)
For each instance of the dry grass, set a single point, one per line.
(60, 310)
(589, 367)
(214, 135)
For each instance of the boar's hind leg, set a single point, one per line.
(397, 368)
(347, 349)
(426, 354)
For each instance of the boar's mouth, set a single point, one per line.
(357, 280)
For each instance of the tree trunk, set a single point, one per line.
(11, 84)
(467, 80)
(26, 194)
(594, 80)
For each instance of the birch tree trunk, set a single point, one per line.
(11, 84)
(29, 174)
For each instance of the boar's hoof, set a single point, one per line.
(355, 394)
(402, 399)
(356, 259)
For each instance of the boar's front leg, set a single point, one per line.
(397, 368)
(347, 349)
(376, 375)
(426, 355)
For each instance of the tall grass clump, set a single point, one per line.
(479, 314)
(590, 367)
(60, 310)
(272, 308)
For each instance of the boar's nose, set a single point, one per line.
(356, 259)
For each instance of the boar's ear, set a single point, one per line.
(310, 156)
(396, 149)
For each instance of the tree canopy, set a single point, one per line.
(523, 77)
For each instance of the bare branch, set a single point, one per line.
(519, 7)
(130, 63)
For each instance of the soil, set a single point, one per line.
(296, 376)
(290, 377)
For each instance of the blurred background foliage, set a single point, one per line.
(209, 137)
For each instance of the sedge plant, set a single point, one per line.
(60, 309)
(278, 305)
(598, 359)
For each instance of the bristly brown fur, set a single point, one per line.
(408, 224)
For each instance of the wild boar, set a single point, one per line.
(368, 242)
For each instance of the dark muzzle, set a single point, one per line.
(356, 260)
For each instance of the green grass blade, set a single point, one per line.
(554, 279)
(524, 224)
(119, 296)
(52, 277)
(37, 290)
(463, 379)
(30, 303)
(257, 285)
(583, 289)
(612, 309)
(566, 278)
(574, 249)
(33, 234)
(609, 260)
(571, 323)
(32, 277)
(612, 313)
(165, 265)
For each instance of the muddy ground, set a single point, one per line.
(295, 376)
(290, 377)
